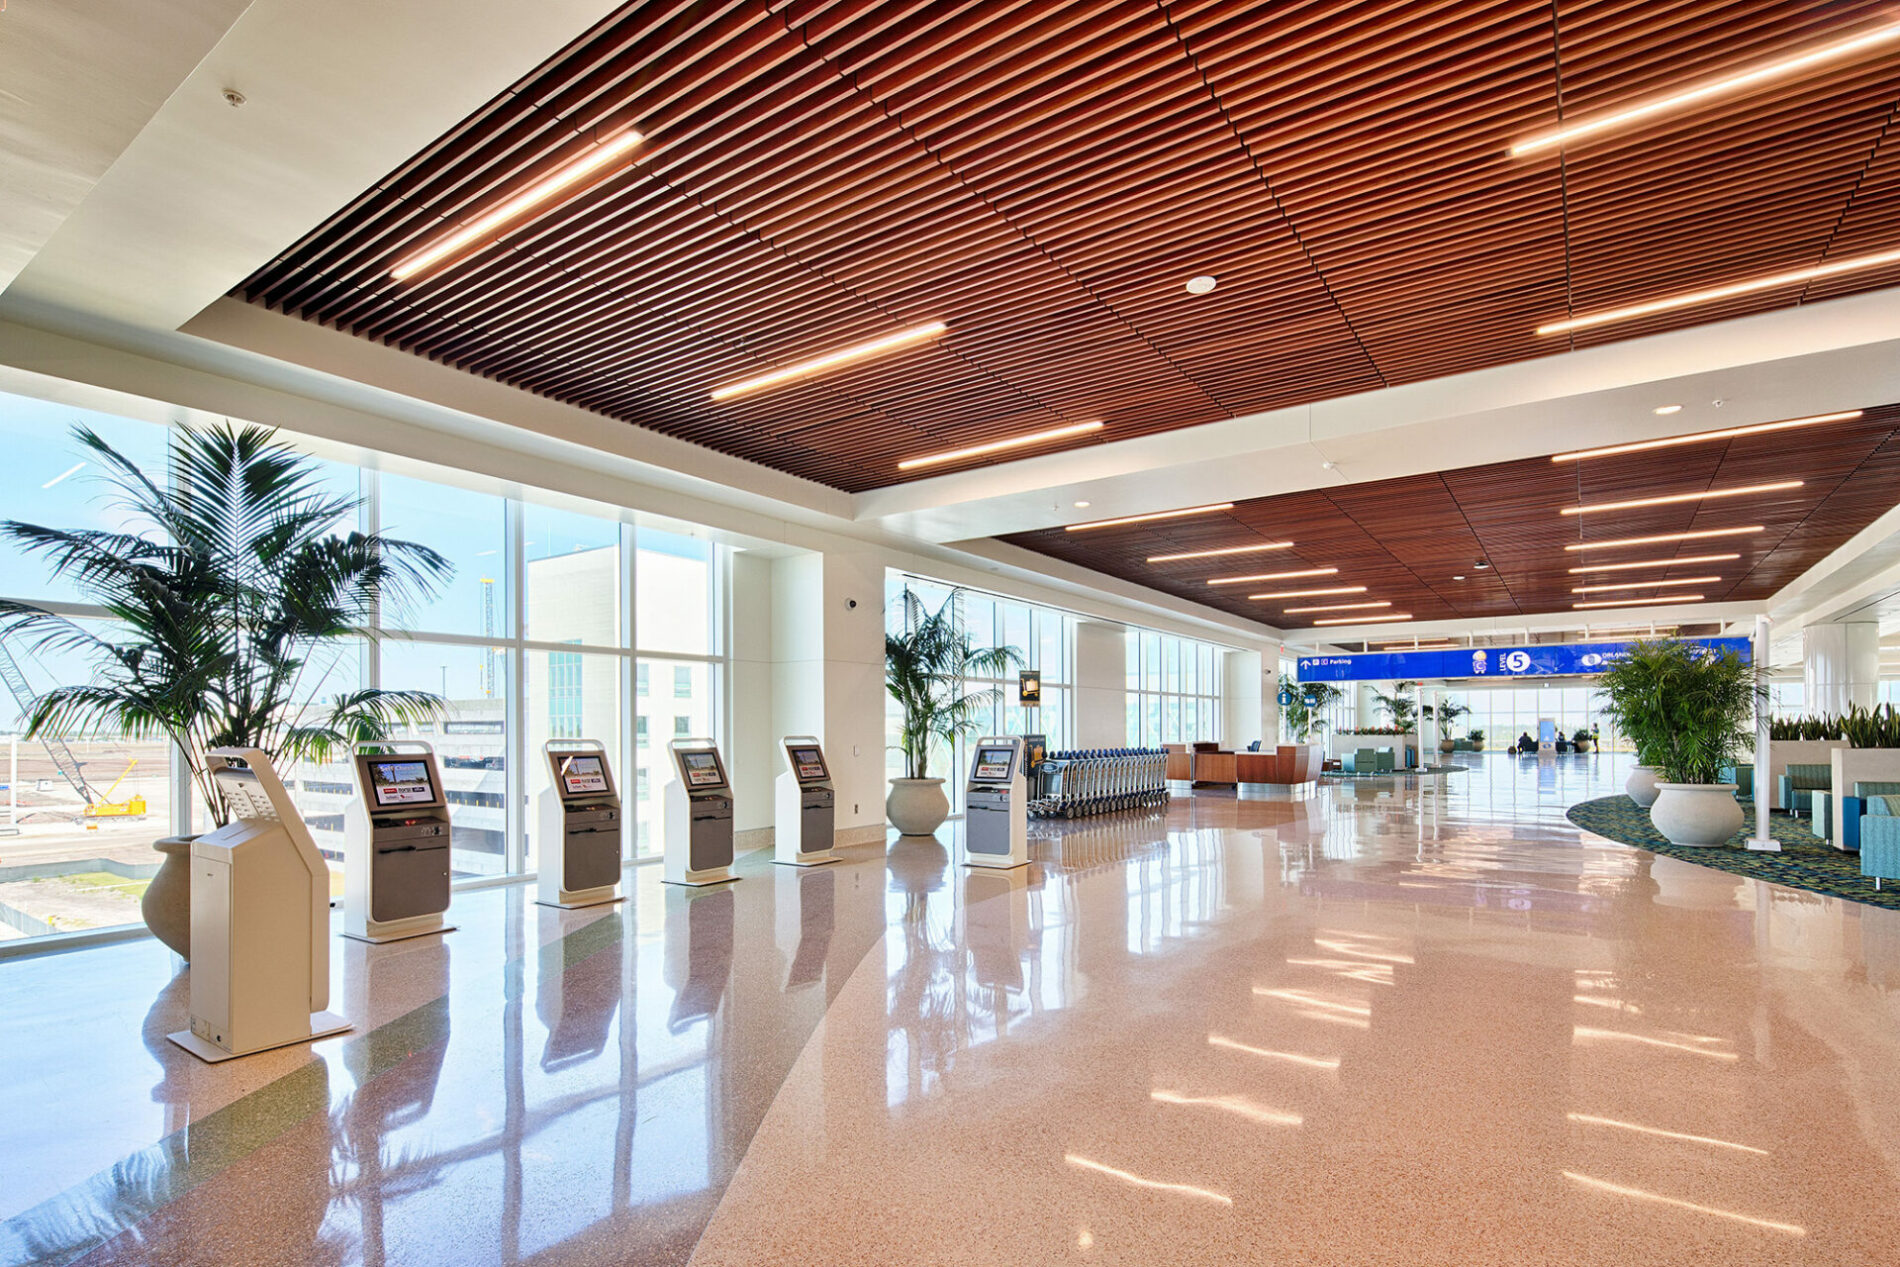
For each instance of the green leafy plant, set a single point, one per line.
(927, 667)
(1877, 727)
(1804, 728)
(1581, 735)
(1303, 720)
(233, 591)
(1445, 713)
(1401, 706)
(1476, 737)
(1688, 711)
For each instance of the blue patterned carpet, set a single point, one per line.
(1805, 861)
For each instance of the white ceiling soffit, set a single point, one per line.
(78, 80)
(1817, 358)
(337, 94)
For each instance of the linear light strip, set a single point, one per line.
(1709, 90)
(1273, 576)
(1656, 563)
(514, 208)
(1604, 1185)
(1698, 535)
(1222, 553)
(1365, 620)
(831, 360)
(1333, 607)
(1159, 514)
(1692, 298)
(998, 446)
(1589, 1119)
(1673, 498)
(1643, 585)
(1335, 589)
(1642, 602)
(1701, 437)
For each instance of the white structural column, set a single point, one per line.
(1840, 666)
(1243, 693)
(1762, 840)
(1101, 685)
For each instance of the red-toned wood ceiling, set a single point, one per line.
(1044, 176)
(1406, 539)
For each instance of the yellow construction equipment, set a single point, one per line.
(106, 807)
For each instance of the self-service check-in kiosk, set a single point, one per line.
(996, 805)
(698, 816)
(804, 825)
(396, 845)
(580, 824)
(260, 921)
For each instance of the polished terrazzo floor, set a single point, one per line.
(1400, 1021)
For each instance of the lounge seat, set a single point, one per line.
(1855, 807)
(1880, 839)
(1384, 760)
(1799, 782)
(1360, 761)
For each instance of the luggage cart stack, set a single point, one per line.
(1080, 784)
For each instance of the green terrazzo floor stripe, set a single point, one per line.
(1805, 861)
(72, 1224)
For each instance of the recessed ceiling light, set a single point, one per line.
(1643, 585)
(1201, 285)
(998, 446)
(1159, 514)
(1337, 589)
(1273, 576)
(1708, 90)
(1482, 564)
(1457, 578)
(1692, 298)
(1701, 437)
(1667, 409)
(831, 360)
(1696, 535)
(1366, 620)
(564, 177)
(1657, 563)
(1083, 505)
(1672, 498)
(1333, 607)
(1221, 553)
(1642, 602)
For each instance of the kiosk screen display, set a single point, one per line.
(702, 769)
(401, 782)
(992, 764)
(810, 764)
(583, 775)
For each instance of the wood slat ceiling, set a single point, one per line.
(1044, 176)
(1406, 539)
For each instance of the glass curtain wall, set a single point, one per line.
(1174, 689)
(550, 621)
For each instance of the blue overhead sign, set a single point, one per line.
(1489, 662)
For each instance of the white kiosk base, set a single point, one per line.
(322, 1025)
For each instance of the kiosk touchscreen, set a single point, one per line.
(698, 816)
(579, 820)
(396, 845)
(805, 804)
(260, 921)
(996, 805)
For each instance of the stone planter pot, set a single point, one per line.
(1698, 814)
(917, 807)
(1641, 785)
(1447, 745)
(166, 905)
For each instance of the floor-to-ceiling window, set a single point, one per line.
(552, 618)
(1174, 689)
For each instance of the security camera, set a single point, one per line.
(851, 603)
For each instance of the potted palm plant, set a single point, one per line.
(927, 667)
(234, 590)
(1445, 712)
(1692, 711)
(1302, 719)
(1631, 690)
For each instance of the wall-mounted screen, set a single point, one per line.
(809, 763)
(401, 782)
(583, 776)
(702, 769)
(992, 764)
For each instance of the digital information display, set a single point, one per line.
(702, 769)
(582, 775)
(810, 765)
(401, 782)
(1490, 662)
(992, 764)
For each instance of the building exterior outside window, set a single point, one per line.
(1174, 689)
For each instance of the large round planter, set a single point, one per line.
(917, 807)
(1447, 746)
(166, 905)
(1641, 785)
(1696, 814)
